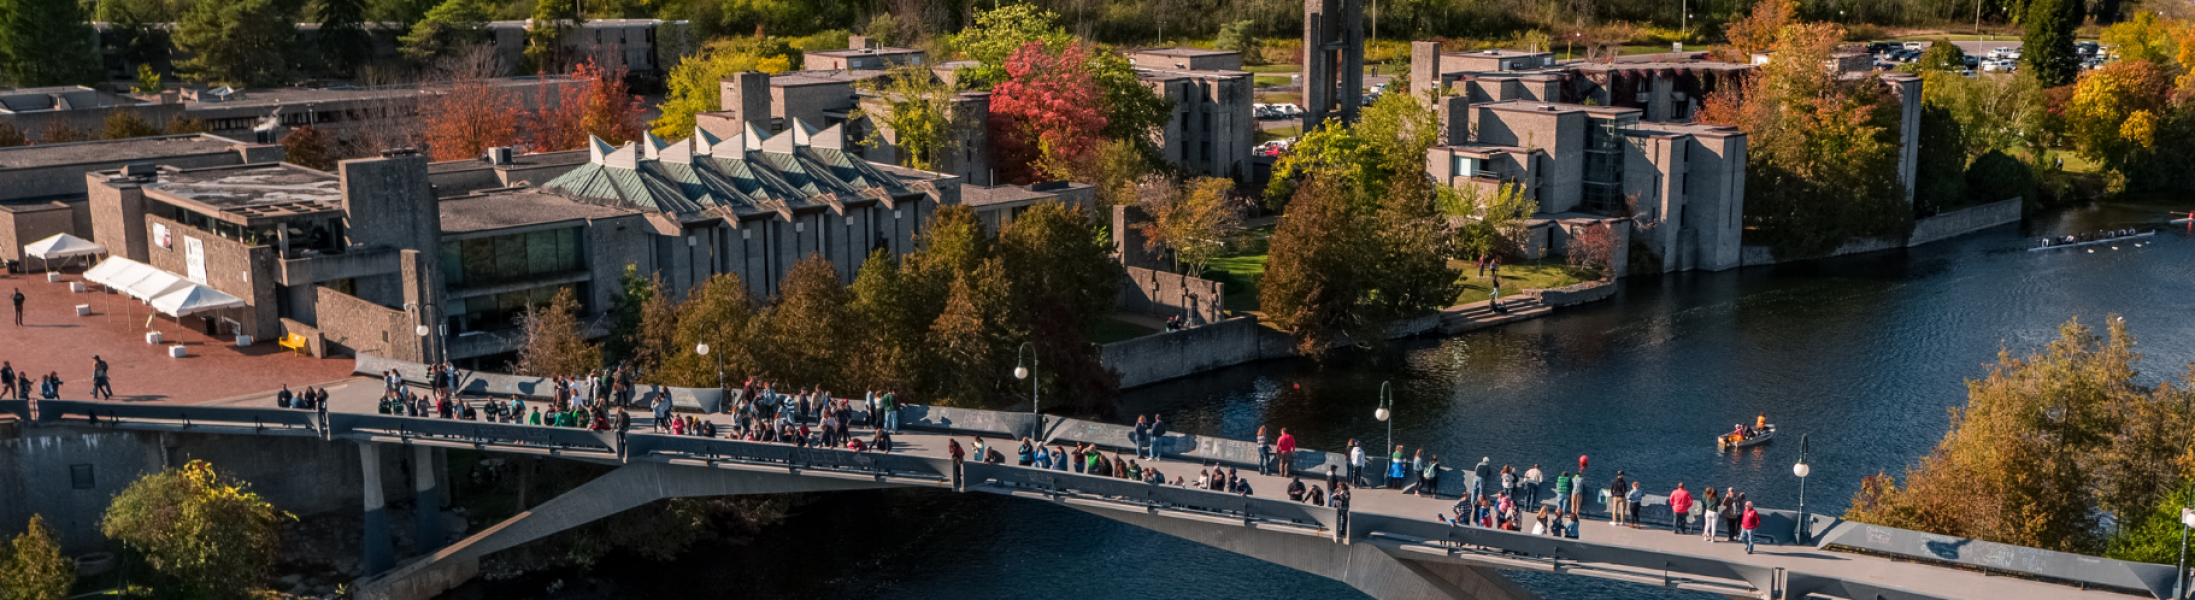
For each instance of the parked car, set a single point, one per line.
(1288, 110)
(1916, 46)
(1879, 48)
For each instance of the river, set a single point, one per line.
(1863, 354)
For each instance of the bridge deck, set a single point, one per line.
(359, 395)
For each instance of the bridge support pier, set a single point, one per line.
(630, 486)
(427, 499)
(376, 553)
(1362, 566)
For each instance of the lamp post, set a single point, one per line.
(1386, 412)
(703, 349)
(1801, 470)
(2179, 573)
(1029, 373)
(420, 317)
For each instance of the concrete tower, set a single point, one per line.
(1333, 60)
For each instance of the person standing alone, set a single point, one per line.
(18, 298)
(99, 379)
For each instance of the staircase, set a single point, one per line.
(1480, 315)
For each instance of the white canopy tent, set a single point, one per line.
(193, 299)
(63, 246)
(138, 280)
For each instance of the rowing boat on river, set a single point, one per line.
(2092, 242)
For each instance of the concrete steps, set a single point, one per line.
(1480, 315)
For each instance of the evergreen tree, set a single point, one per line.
(1940, 176)
(344, 43)
(448, 29)
(891, 327)
(134, 30)
(807, 328)
(545, 32)
(720, 313)
(239, 42)
(46, 42)
(2047, 49)
(971, 338)
(555, 342)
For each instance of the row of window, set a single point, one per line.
(511, 258)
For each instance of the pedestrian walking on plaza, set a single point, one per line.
(1532, 486)
(1356, 463)
(1633, 500)
(1284, 450)
(1680, 510)
(18, 306)
(1749, 522)
(1140, 436)
(1265, 453)
(99, 379)
(1157, 438)
(1397, 470)
(7, 379)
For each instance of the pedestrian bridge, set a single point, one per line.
(1385, 544)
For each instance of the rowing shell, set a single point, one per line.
(2094, 242)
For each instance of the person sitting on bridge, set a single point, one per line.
(856, 445)
(992, 457)
(882, 441)
(1317, 497)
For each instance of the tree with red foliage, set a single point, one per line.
(467, 113)
(596, 103)
(1047, 110)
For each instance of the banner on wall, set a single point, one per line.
(194, 257)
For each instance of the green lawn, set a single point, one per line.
(1275, 69)
(1266, 135)
(1544, 273)
(1240, 267)
(1109, 330)
(1272, 80)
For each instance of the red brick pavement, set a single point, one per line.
(53, 339)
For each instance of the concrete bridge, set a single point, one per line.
(1385, 544)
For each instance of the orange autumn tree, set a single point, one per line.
(596, 103)
(1047, 110)
(467, 113)
(1760, 29)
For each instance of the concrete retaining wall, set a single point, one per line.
(45, 471)
(475, 382)
(1168, 294)
(1933, 229)
(1578, 293)
(1163, 356)
(1964, 221)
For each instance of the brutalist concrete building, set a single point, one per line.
(357, 259)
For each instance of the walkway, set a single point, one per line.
(1398, 511)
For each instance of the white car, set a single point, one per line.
(1916, 46)
(1289, 110)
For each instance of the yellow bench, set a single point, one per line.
(295, 342)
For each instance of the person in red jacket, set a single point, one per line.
(1285, 452)
(1748, 523)
(1680, 510)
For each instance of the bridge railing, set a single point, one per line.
(20, 409)
(1148, 494)
(2062, 566)
(1553, 549)
(708, 400)
(639, 445)
(182, 416)
(473, 432)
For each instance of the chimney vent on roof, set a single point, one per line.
(396, 152)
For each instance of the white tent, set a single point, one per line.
(139, 280)
(62, 245)
(193, 299)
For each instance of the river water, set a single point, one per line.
(1863, 354)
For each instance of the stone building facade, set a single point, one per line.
(1333, 60)
(42, 190)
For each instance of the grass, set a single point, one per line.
(1272, 80)
(1266, 135)
(1281, 97)
(1274, 69)
(1109, 330)
(1240, 267)
(2073, 162)
(1536, 274)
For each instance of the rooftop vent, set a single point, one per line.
(1547, 107)
(396, 152)
(499, 155)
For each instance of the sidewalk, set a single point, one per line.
(53, 339)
